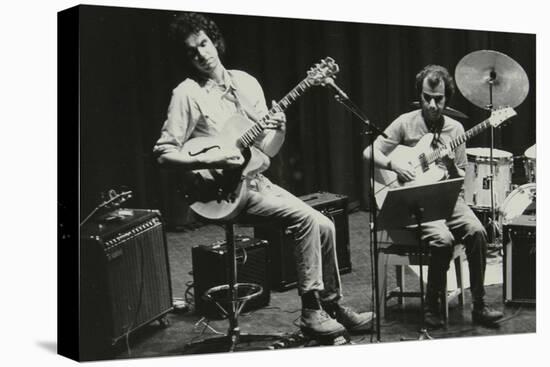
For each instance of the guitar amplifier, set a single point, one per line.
(125, 277)
(520, 260)
(281, 247)
(210, 269)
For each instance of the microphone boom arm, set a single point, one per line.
(343, 99)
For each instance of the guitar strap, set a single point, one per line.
(436, 129)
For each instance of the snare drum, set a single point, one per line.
(530, 164)
(521, 201)
(477, 185)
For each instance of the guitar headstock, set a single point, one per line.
(500, 115)
(318, 74)
(113, 199)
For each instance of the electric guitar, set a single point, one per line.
(422, 157)
(218, 193)
(111, 199)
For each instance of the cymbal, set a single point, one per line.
(531, 152)
(449, 111)
(477, 70)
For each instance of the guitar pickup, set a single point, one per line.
(424, 162)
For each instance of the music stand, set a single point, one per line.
(417, 204)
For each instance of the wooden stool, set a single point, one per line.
(402, 249)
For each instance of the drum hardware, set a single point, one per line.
(530, 163)
(490, 71)
(492, 227)
(494, 234)
(521, 201)
(477, 183)
(490, 79)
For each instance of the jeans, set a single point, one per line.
(313, 233)
(465, 227)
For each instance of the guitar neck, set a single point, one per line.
(250, 136)
(456, 142)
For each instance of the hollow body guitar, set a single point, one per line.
(422, 157)
(219, 193)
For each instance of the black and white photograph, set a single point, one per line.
(259, 183)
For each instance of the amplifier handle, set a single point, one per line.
(311, 199)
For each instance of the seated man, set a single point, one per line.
(435, 88)
(200, 106)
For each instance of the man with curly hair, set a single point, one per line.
(435, 88)
(200, 106)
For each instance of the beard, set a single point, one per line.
(434, 120)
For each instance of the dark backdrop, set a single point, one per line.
(128, 69)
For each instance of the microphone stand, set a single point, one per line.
(373, 131)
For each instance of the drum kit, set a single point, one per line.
(490, 79)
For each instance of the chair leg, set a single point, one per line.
(382, 283)
(459, 262)
(400, 277)
(445, 300)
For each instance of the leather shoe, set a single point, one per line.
(432, 318)
(354, 321)
(485, 315)
(319, 323)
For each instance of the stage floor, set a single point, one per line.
(281, 316)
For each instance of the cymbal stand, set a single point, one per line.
(490, 107)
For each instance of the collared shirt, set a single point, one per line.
(201, 108)
(410, 127)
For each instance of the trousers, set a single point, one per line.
(465, 227)
(314, 235)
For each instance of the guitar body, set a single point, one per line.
(218, 193)
(425, 173)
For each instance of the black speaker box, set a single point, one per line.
(210, 269)
(281, 247)
(520, 260)
(125, 277)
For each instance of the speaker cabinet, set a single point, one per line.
(520, 260)
(210, 269)
(125, 277)
(281, 247)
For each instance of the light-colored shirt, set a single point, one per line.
(410, 127)
(201, 108)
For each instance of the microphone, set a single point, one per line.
(329, 81)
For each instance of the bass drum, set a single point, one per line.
(521, 201)
(530, 164)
